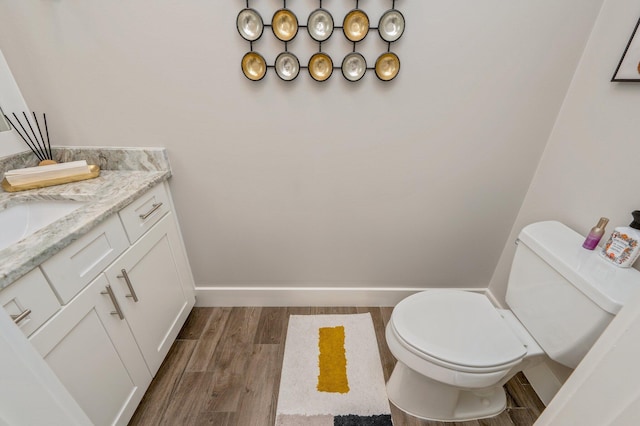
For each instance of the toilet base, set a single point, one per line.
(428, 399)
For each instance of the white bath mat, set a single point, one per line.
(331, 373)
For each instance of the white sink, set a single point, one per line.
(20, 220)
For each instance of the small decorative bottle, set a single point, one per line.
(623, 247)
(595, 234)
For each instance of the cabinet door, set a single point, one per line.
(152, 270)
(95, 356)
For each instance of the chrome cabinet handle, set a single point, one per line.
(22, 315)
(112, 296)
(154, 207)
(128, 281)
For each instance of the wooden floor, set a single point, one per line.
(224, 370)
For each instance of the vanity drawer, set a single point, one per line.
(30, 301)
(144, 212)
(73, 267)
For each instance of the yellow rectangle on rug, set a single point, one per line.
(332, 361)
(331, 373)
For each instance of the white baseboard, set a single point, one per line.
(306, 296)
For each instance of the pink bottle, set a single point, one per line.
(596, 233)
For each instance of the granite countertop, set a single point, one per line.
(126, 173)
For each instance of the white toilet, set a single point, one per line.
(455, 350)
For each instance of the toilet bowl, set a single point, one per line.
(455, 350)
(455, 371)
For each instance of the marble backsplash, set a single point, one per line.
(107, 158)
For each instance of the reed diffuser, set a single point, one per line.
(41, 149)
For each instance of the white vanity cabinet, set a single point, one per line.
(95, 356)
(155, 293)
(121, 294)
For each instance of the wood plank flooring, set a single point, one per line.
(224, 370)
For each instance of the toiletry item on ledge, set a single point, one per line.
(49, 175)
(595, 234)
(623, 247)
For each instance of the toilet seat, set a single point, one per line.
(469, 333)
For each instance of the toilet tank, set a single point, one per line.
(564, 294)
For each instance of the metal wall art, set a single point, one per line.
(629, 67)
(320, 26)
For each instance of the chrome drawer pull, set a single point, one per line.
(22, 315)
(112, 296)
(128, 281)
(154, 207)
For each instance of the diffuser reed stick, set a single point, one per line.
(42, 138)
(47, 131)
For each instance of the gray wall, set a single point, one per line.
(412, 183)
(590, 166)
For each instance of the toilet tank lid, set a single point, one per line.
(607, 285)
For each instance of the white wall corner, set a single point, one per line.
(494, 300)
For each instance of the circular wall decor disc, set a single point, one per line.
(249, 24)
(284, 25)
(320, 25)
(320, 67)
(287, 66)
(355, 25)
(387, 66)
(391, 25)
(354, 66)
(254, 66)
